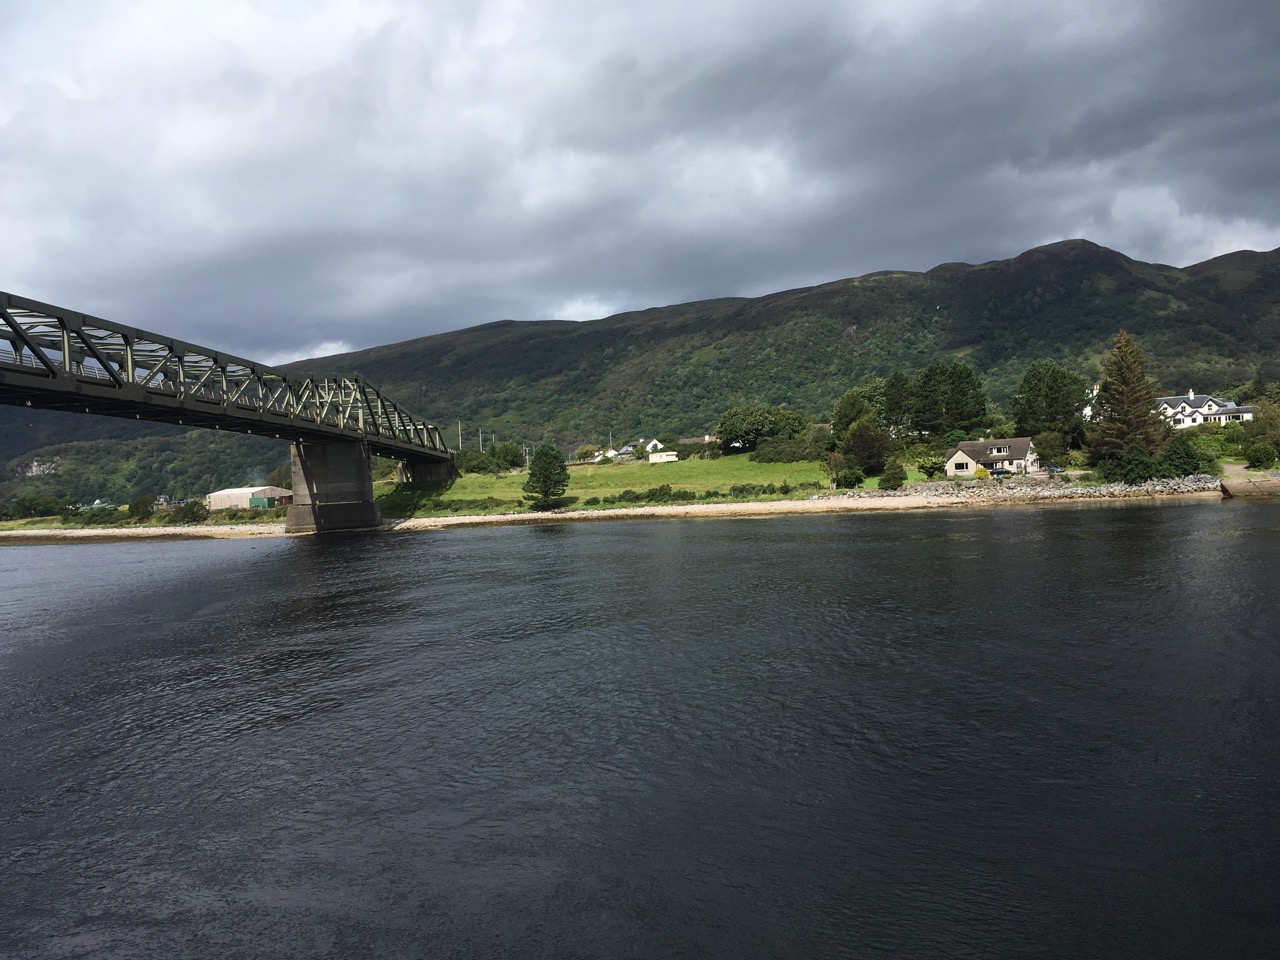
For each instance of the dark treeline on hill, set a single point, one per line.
(1212, 326)
(678, 368)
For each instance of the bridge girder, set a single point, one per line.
(57, 359)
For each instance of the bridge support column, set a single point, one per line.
(423, 472)
(332, 488)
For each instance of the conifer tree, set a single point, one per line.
(1050, 399)
(1126, 402)
(894, 476)
(548, 477)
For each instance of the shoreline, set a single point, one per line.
(856, 502)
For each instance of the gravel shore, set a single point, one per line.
(919, 496)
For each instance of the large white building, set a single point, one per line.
(1197, 408)
(242, 498)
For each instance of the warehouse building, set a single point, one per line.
(245, 497)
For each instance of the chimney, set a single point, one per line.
(1191, 394)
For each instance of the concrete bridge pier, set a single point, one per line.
(332, 488)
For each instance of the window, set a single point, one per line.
(961, 467)
(996, 451)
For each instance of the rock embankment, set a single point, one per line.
(1018, 489)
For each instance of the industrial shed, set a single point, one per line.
(245, 497)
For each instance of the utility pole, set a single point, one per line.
(459, 434)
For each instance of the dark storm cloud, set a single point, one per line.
(283, 181)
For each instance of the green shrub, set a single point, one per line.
(192, 511)
(97, 517)
(1132, 465)
(793, 450)
(1260, 455)
(894, 476)
(473, 461)
(930, 467)
(1181, 458)
(143, 507)
(591, 502)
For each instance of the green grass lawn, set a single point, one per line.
(610, 479)
(487, 493)
(32, 523)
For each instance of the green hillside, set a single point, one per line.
(675, 369)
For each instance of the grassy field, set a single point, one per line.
(158, 521)
(32, 523)
(590, 486)
(486, 493)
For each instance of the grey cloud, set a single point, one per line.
(438, 169)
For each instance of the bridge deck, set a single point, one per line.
(57, 359)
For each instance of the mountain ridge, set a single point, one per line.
(675, 368)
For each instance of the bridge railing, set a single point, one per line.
(62, 351)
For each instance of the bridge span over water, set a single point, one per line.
(57, 359)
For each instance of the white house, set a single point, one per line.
(1197, 408)
(631, 449)
(1017, 454)
(243, 497)
(664, 456)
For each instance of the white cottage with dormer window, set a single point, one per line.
(1015, 454)
(1197, 408)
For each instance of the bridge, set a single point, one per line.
(57, 359)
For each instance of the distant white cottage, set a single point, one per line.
(1197, 408)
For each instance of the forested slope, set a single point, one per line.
(677, 368)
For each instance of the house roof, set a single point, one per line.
(1197, 401)
(980, 450)
(267, 490)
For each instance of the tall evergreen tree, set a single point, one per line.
(867, 447)
(548, 477)
(1126, 402)
(1050, 399)
(946, 396)
(895, 403)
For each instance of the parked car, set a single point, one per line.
(1001, 472)
(1054, 468)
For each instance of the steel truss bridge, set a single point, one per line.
(57, 359)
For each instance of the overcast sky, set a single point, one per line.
(291, 179)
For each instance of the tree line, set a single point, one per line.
(916, 416)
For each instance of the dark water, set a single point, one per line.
(1028, 733)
